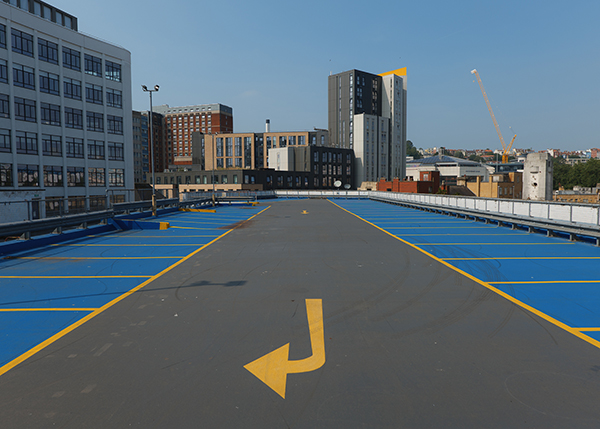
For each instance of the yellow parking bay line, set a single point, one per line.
(521, 257)
(94, 313)
(7, 310)
(496, 244)
(75, 277)
(508, 297)
(588, 329)
(445, 235)
(128, 245)
(61, 258)
(541, 282)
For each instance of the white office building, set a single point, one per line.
(65, 115)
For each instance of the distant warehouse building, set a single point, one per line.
(65, 114)
(450, 169)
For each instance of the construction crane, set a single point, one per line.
(505, 149)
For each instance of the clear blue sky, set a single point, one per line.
(539, 61)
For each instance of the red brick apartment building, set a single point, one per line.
(181, 122)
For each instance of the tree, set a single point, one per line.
(412, 151)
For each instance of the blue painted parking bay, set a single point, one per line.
(557, 279)
(51, 290)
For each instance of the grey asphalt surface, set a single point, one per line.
(409, 343)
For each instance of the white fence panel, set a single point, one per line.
(505, 207)
(560, 212)
(539, 210)
(521, 208)
(586, 215)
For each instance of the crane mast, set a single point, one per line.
(505, 149)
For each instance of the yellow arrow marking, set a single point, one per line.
(273, 368)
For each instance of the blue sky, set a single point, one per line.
(539, 61)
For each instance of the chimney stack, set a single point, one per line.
(268, 126)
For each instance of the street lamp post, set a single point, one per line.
(150, 91)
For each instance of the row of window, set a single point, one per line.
(22, 43)
(25, 110)
(52, 145)
(24, 77)
(28, 176)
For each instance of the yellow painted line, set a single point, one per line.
(523, 257)
(157, 236)
(127, 245)
(588, 329)
(541, 282)
(445, 235)
(189, 227)
(521, 304)
(431, 227)
(66, 258)
(10, 365)
(75, 277)
(15, 310)
(198, 210)
(497, 244)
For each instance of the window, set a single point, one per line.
(95, 149)
(23, 76)
(116, 177)
(93, 93)
(4, 106)
(96, 176)
(95, 121)
(22, 43)
(75, 177)
(28, 175)
(93, 65)
(114, 124)
(6, 175)
(3, 71)
(72, 88)
(51, 145)
(220, 147)
(114, 98)
(25, 110)
(53, 176)
(292, 140)
(71, 59)
(5, 145)
(238, 146)
(50, 114)
(2, 36)
(49, 83)
(112, 71)
(27, 142)
(73, 118)
(282, 141)
(115, 151)
(74, 147)
(47, 51)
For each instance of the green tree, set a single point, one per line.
(412, 151)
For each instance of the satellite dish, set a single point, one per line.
(347, 186)
(337, 183)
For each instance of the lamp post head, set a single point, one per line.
(156, 87)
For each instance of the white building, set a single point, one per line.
(65, 114)
(449, 167)
(538, 177)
